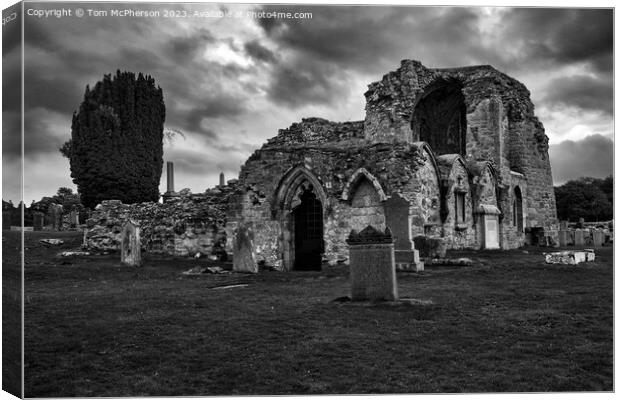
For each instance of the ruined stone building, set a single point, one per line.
(454, 154)
(451, 155)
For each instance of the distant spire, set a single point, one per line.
(222, 183)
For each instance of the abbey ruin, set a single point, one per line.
(452, 154)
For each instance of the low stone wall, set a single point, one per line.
(182, 226)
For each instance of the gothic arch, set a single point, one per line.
(357, 176)
(295, 181)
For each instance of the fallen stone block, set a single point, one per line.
(569, 257)
(452, 261)
(74, 253)
(52, 241)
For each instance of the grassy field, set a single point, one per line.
(11, 314)
(507, 323)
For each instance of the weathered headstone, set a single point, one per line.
(563, 225)
(406, 256)
(74, 219)
(55, 216)
(372, 269)
(579, 238)
(598, 237)
(38, 220)
(244, 256)
(130, 245)
(563, 238)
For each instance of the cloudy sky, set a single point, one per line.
(230, 83)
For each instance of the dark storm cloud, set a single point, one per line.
(364, 38)
(11, 134)
(338, 41)
(54, 92)
(585, 92)
(184, 47)
(592, 156)
(562, 35)
(259, 52)
(299, 84)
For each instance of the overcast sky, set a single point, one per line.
(230, 83)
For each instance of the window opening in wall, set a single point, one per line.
(460, 207)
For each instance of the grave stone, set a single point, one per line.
(406, 256)
(74, 219)
(579, 239)
(563, 225)
(598, 237)
(55, 216)
(372, 265)
(563, 238)
(244, 256)
(130, 245)
(38, 221)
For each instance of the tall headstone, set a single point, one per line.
(563, 237)
(406, 256)
(579, 238)
(563, 225)
(38, 220)
(598, 237)
(372, 265)
(74, 219)
(130, 245)
(55, 216)
(244, 256)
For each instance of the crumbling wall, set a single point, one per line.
(184, 225)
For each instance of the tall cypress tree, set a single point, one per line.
(116, 146)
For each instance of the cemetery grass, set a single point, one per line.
(508, 323)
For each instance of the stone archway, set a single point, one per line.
(300, 207)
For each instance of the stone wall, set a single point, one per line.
(184, 225)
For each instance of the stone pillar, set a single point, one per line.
(170, 177)
(579, 239)
(131, 254)
(222, 181)
(406, 256)
(244, 255)
(371, 263)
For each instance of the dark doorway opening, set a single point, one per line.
(309, 246)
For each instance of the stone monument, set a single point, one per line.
(372, 269)
(130, 245)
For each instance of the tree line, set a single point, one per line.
(589, 198)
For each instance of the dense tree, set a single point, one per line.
(116, 146)
(588, 198)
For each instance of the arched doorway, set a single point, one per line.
(308, 221)
(299, 204)
(517, 210)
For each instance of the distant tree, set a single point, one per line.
(116, 146)
(584, 198)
